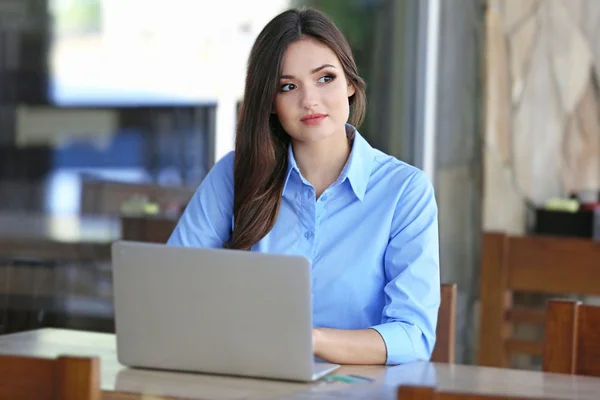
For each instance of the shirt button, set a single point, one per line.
(308, 235)
(323, 198)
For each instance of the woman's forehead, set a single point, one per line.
(304, 56)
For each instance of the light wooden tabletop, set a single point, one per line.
(116, 380)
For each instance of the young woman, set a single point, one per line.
(303, 181)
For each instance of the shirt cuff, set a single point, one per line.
(399, 346)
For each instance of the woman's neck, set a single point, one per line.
(321, 162)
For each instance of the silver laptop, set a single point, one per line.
(214, 311)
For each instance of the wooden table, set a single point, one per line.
(119, 382)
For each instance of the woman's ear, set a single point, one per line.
(351, 90)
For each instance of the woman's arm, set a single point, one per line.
(412, 291)
(206, 221)
(364, 346)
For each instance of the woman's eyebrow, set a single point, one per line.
(314, 71)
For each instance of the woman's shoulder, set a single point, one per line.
(223, 167)
(409, 187)
(219, 178)
(227, 159)
(398, 173)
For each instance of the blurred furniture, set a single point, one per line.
(63, 378)
(55, 271)
(572, 342)
(23, 171)
(408, 392)
(57, 237)
(583, 223)
(4, 296)
(147, 228)
(120, 382)
(21, 195)
(446, 326)
(107, 197)
(535, 264)
(54, 294)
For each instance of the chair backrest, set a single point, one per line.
(536, 264)
(572, 338)
(63, 378)
(153, 229)
(443, 351)
(430, 393)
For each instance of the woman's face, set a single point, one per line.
(312, 100)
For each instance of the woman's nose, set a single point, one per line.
(309, 98)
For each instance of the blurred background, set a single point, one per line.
(113, 111)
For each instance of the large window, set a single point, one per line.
(160, 51)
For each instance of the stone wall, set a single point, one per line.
(542, 131)
(542, 136)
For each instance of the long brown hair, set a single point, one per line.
(261, 145)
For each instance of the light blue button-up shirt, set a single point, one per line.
(372, 239)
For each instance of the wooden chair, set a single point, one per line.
(153, 229)
(430, 393)
(572, 342)
(443, 351)
(63, 378)
(535, 264)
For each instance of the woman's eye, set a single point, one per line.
(326, 79)
(287, 87)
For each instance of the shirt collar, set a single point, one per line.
(357, 169)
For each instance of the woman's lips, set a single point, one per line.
(313, 119)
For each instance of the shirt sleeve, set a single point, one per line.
(207, 219)
(412, 272)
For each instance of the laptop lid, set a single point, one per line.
(213, 310)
